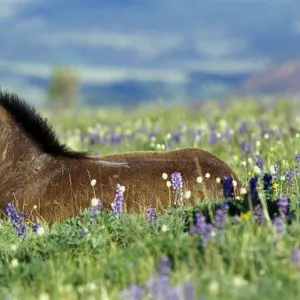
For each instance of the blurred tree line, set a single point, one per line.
(63, 88)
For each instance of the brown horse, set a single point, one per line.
(45, 179)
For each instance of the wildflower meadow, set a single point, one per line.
(244, 246)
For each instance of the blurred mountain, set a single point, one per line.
(282, 79)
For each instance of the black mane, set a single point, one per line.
(35, 126)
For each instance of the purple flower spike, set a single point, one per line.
(298, 157)
(259, 162)
(295, 256)
(118, 202)
(278, 223)
(283, 203)
(228, 190)
(246, 147)
(164, 269)
(258, 213)
(176, 182)
(200, 226)
(220, 218)
(150, 213)
(253, 190)
(135, 292)
(36, 226)
(95, 209)
(17, 219)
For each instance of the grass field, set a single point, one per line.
(244, 254)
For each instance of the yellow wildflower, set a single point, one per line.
(245, 216)
(275, 186)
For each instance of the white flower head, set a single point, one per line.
(214, 287)
(93, 182)
(243, 163)
(168, 183)
(272, 169)
(207, 175)
(94, 202)
(41, 230)
(234, 183)
(243, 191)
(250, 160)
(122, 188)
(13, 247)
(187, 194)
(239, 281)
(165, 176)
(91, 286)
(44, 296)
(14, 263)
(199, 179)
(164, 228)
(218, 180)
(256, 170)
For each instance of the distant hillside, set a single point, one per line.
(282, 79)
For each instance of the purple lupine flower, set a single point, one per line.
(117, 205)
(36, 226)
(275, 171)
(298, 157)
(212, 138)
(283, 203)
(95, 209)
(135, 292)
(116, 139)
(253, 189)
(177, 137)
(295, 256)
(289, 176)
(246, 147)
(259, 162)
(225, 205)
(228, 189)
(158, 286)
(279, 225)
(267, 180)
(176, 182)
(227, 134)
(150, 213)
(243, 129)
(164, 269)
(188, 292)
(17, 219)
(220, 218)
(258, 213)
(202, 227)
(158, 289)
(94, 138)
